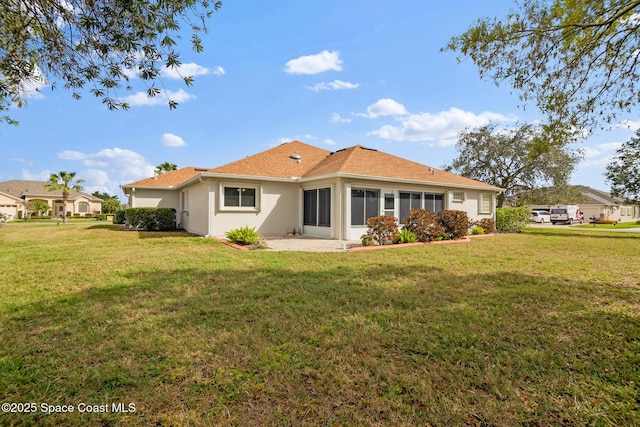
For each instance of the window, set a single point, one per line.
(389, 204)
(364, 204)
(236, 197)
(83, 207)
(486, 202)
(433, 202)
(317, 207)
(458, 196)
(409, 201)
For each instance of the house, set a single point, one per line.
(15, 194)
(599, 204)
(296, 185)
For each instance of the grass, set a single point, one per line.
(620, 225)
(538, 328)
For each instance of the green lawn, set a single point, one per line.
(539, 328)
(620, 225)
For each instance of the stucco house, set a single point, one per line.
(15, 194)
(599, 204)
(324, 194)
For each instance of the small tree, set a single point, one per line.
(165, 167)
(63, 181)
(623, 173)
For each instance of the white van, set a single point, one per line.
(566, 214)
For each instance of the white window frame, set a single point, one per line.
(258, 197)
(460, 199)
(481, 202)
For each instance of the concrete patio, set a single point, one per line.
(309, 244)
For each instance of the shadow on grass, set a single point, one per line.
(584, 233)
(370, 344)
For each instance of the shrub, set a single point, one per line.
(382, 229)
(244, 236)
(151, 219)
(487, 224)
(477, 230)
(119, 217)
(406, 236)
(455, 224)
(512, 220)
(368, 240)
(424, 224)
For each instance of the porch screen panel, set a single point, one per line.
(409, 201)
(310, 207)
(433, 202)
(357, 207)
(372, 207)
(324, 207)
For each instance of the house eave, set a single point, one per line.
(402, 181)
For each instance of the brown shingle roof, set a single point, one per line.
(314, 162)
(359, 160)
(19, 188)
(276, 162)
(169, 179)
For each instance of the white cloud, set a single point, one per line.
(599, 155)
(126, 164)
(335, 118)
(141, 98)
(42, 176)
(629, 124)
(442, 127)
(329, 142)
(334, 85)
(384, 107)
(314, 64)
(190, 69)
(171, 140)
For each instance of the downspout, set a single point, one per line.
(209, 216)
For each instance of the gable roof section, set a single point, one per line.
(169, 179)
(367, 162)
(20, 189)
(598, 197)
(276, 162)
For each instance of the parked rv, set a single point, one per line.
(566, 214)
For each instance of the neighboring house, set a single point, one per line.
(602, 205)
(15, 194)
(324, 194)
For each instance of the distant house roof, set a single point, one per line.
(598, 197)
(22, 189)
(297, 160)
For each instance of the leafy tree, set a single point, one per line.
(63, 181)
(110, 203)
(98, 43)
(513, 159)
(38, 206)
(563, 194)
(165, 167)
(578, 60)
(623, 173)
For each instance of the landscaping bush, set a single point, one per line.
(406, 236)
(382, 229)
(244, 236)
(455, 224)
(477, 230)
(512, 220)
(119, 217)
(424, 224)
(151, 219)
(487, 224)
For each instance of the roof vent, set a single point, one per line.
(295, 156)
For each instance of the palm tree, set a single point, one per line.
(165, 167)
(62, 181)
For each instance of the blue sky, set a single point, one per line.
(330, 73)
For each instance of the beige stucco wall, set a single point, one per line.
(193, 213)
(10, 207)
(145, 198)
(278, 208)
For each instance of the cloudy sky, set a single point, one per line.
(330, 73)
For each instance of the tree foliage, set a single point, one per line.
(562, 194)
(63, 181)
(577, 60)
(165, 167)
(100, 43)
(110, 203)
(513, 159)
(623, 173)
